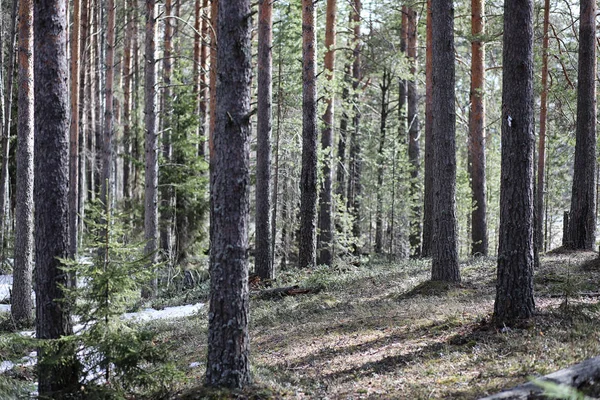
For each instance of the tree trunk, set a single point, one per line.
(386, 82)
(127, 88)
(582, 221)
(151, 147)
(355, 156)
(444, 265)
(4, 178)
(325, 237)
(214, 15)
(277, 153)
(166, 190)
(541, 166)
(74, 131)
(479, 238)
(429, 141)
(21, 300)
(53, 318)
(228, 342)
(263, 255)
(414, 149)
(341, 172)
(84, 105)
(514, 285)
(308, 180)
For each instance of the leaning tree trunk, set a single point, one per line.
(263, 255)
(21, 300)
(444, 264)
(308, 179)
(325, 238)
(426, 243)
(514, 285)
(151, 146)
(479, 238)
(228, 342)
(582, 218)
(53, 319)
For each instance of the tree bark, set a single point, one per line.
(74, 131)
(4, 178)
(151, 147)
(228, 342)
(341, 171)
(53, 319)
(355, 156)
(325, 237)
(414, 149)
(308, 180)
(386, 82)
(127, 88)
(582, 218)
(444, 265)
(263, 255)
(109, 117)
(429, 142)
(166, 191)
(541, 166)
(479, 238)
(21, 300)
(514, 285)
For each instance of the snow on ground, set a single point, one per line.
(5, 286)
(148, 314)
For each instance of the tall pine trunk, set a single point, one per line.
(429, 141)
(479, 237)
(21, 300)
(582, 218)
(53, 319)
(151, 146)
(325, 238)
(541, 166)
(385, 85)
(444, 265)
(414, 149)
(228, 342)
(263, 257)
(514, 285)
(308, 180)
(74, 131)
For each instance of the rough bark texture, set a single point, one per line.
(84, 123)
(308, 179)
(444, 264)
(228, 343)
(214, 15)
(109, 117)
(414, 149)
(479, 238)
(514, 285)
(325, 238)
(355, 154)
(582, 218)
(429, 145)
(341, 172)
(263, 255)
(384, 86)
(127, 89)
(166, 190)
(21, 300)
(53, 318)
(151, 146)
(74, 131)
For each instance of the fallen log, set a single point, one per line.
(575, 376)
(280, 292)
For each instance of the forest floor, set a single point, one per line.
(382, 331)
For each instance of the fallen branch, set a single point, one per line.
(281, 292)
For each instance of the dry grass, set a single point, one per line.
(382, 331)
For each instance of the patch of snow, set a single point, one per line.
(195, 364)
(150, 314)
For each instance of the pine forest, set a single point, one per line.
(226, 199)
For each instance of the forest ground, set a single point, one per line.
(381, 330)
